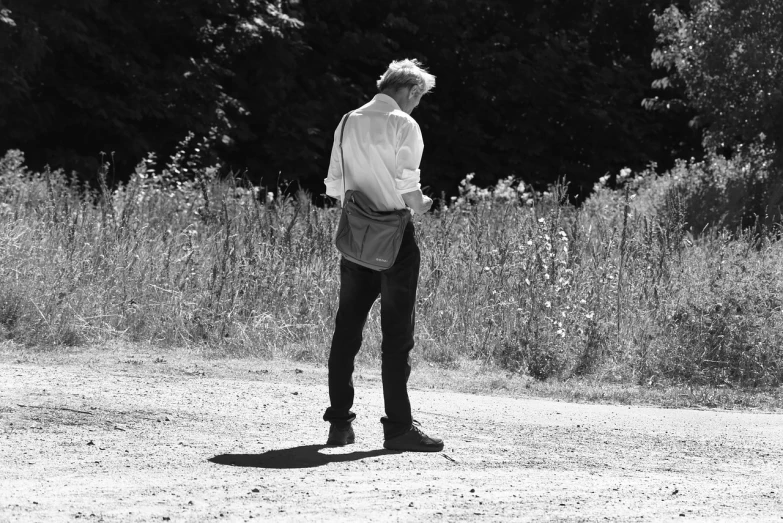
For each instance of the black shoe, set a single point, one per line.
(340, 436)
(414, 440)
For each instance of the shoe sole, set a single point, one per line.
(334, 443)
(433, 448)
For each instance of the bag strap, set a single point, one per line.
(342, 158)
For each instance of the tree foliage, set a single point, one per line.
(94, 75)
(540, 89)
(728, 56)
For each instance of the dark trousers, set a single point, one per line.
(359, 288)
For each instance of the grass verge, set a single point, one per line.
(468, 377)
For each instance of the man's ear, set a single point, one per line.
(414, 92)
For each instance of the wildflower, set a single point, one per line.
(527, 281)
(625, 173)
(541, 220)
(546, 276)
(468, 178)
(530, 242)
(561, 333)
(547, 304)
(590, 315)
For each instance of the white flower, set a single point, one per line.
(530, 242)
(541, 220)
(547, 304)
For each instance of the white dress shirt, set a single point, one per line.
(382, 148)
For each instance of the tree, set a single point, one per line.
(125, 77)
(540, 89)
(22, 48)
(728, 58)
(728, 55)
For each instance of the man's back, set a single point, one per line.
(382, 149)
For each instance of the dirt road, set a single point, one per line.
(131, 437)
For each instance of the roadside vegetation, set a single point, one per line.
(620, 290)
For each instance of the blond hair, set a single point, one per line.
(405, 73)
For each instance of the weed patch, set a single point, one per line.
(509, 277)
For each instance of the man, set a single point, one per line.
(381, 151)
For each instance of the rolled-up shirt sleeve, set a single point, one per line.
(409, 151)
(334, 177)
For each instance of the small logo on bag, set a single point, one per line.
(381, 260)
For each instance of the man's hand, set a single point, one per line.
(417, 201)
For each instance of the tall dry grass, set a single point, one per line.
(617, 289)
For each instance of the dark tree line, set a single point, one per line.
(540, 89)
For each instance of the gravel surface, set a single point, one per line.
(101, 436)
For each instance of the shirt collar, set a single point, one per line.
(385, 98)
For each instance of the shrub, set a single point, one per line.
(734, 193)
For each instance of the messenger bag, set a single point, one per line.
(366, 236)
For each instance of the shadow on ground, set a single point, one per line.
(305, 456)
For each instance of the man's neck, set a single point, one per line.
(399, 96)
